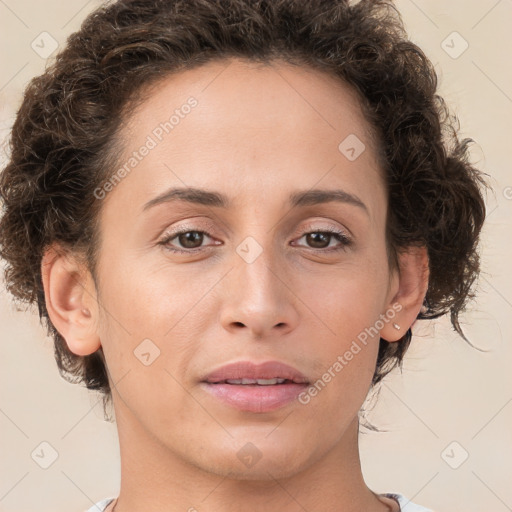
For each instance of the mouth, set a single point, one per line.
(269, 373)
(257, 388)
(258, 382)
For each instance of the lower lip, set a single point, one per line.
(254, 398)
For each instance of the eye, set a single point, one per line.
(320, 240)
(189, 240)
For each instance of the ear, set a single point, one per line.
(407, 291)
(70, 296)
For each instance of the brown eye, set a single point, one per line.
(186, 240)
(320, 240)
(190, 239)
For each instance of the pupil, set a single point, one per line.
(314, 238)
(185, 238)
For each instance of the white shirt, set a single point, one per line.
(405, 504)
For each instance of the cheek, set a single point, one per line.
(146, 299)
(348, 361)
(351, 298)
(174, 305)
(154, 321)
(350, 304)
(152, 298)
(147, 343)
(169, 305)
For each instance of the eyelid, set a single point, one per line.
(189, 225)
(345, 240)
(170, 234)
(340, 235)
(314, 226)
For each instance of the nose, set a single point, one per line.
(258, 298)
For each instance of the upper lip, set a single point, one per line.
(250, 370)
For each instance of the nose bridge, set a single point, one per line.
(257, 269)
(258, 257)
(258, 298)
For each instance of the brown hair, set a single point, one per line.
(62, 139)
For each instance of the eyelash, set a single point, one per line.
(338, 235)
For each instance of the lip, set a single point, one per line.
(250, 370)
(254, 397)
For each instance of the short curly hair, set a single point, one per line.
(63, 139)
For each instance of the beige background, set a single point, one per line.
(448, 392)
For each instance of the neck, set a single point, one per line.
(153, 479)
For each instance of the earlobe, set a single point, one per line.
(70, 300)
(413, 276)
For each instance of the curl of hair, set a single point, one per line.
(63, 139)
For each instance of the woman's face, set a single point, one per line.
(257, 279)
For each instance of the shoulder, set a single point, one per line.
(101, 505)
(407, 505)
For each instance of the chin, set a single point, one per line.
(254, 458)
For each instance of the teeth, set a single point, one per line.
(260, 382)
(269, 382)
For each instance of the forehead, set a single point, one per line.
(269, 95)
(245, 127)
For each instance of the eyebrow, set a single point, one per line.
(216, 199)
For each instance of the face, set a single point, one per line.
(266, 270)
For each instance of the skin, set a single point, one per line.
(258, 133)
